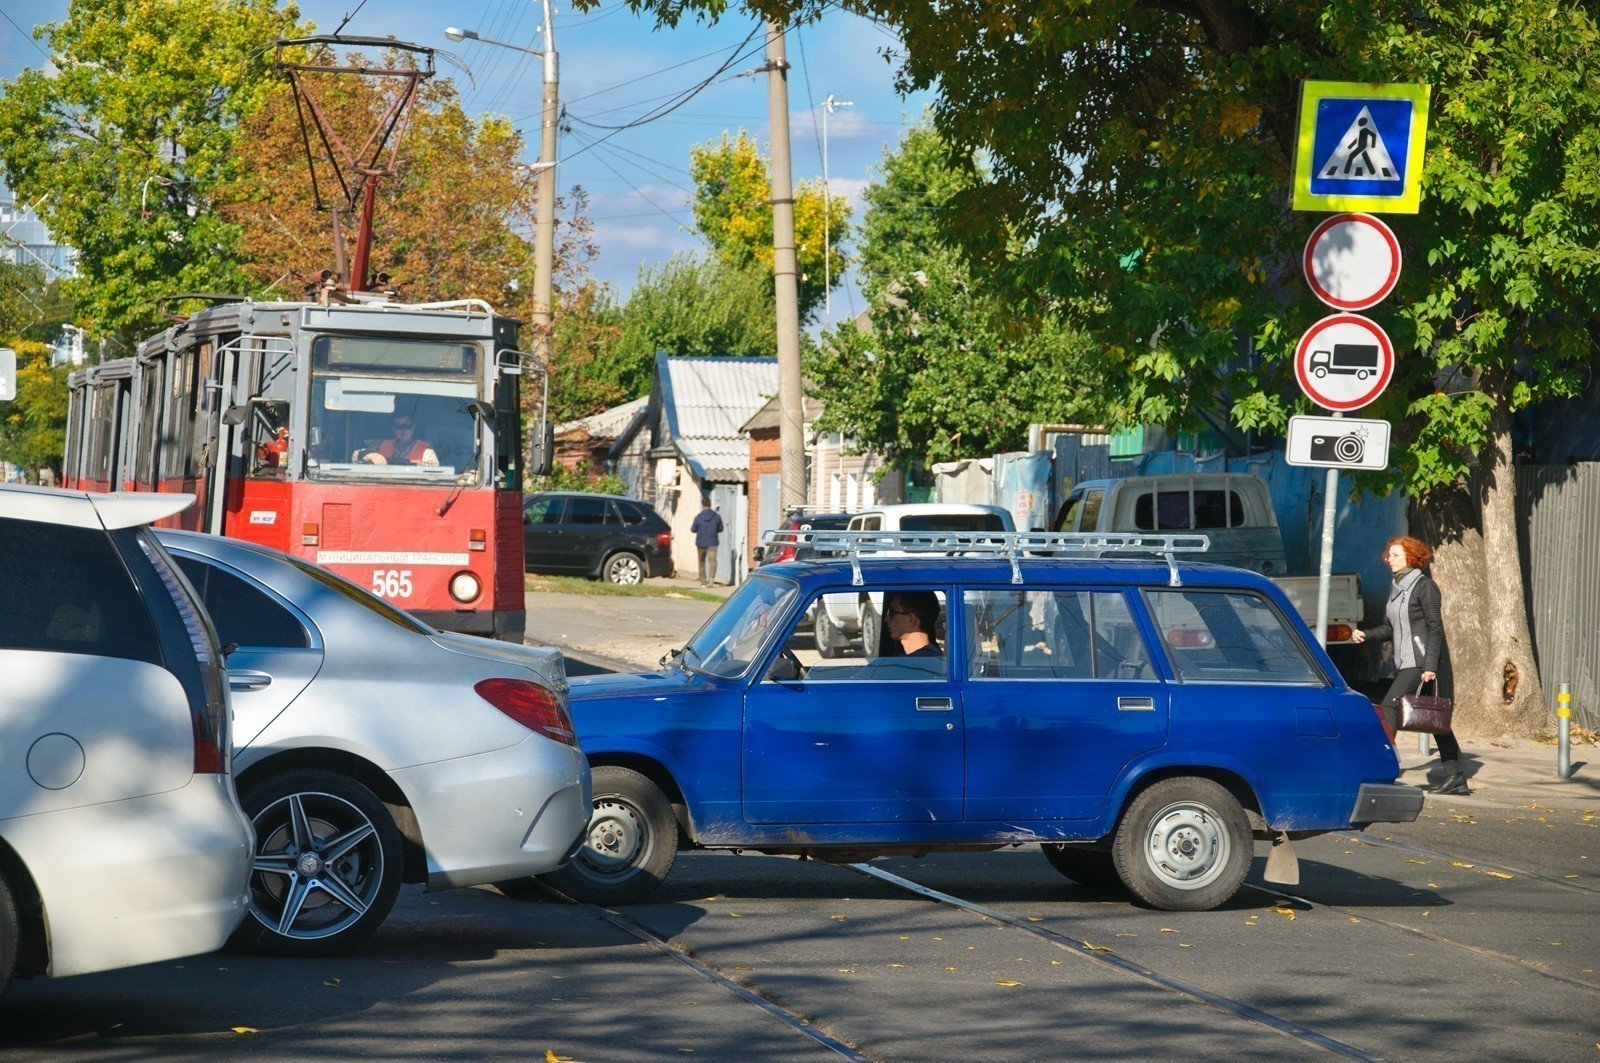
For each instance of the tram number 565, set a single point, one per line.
(391, 582)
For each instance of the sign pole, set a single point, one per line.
(1325, 573)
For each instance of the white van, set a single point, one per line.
(121, 840)
(846, 617)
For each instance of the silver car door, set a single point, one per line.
(277, 650)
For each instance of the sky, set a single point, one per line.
(615, 67)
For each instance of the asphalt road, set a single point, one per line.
(1392, 951)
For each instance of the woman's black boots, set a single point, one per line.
(1455, 780)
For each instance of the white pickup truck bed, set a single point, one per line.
(1344, 599)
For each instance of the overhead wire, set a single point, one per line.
(667, 108)
(350, 16)
(601, 159)
(27, 36)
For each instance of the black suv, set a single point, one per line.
(619, 540)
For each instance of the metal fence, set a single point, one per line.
(1558, 509)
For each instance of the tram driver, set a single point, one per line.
(405, 447)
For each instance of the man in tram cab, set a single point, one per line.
(404, 447)
(270, 455)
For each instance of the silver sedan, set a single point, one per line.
(371, 750)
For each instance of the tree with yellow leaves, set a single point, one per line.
(733, 211)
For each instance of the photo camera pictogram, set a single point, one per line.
(1349, 448)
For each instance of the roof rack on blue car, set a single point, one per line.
(986, 545)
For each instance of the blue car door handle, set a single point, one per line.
(1136, 704)
(248, 680)
(934, 705)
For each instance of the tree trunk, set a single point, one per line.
(1478, 565)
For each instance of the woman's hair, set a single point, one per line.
(1417, 553)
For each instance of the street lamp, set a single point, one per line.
(545, 227)
(829, 105)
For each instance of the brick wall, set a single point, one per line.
(766, 454)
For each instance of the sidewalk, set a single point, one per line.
(1518, 772)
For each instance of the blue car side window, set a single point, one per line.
(1052, 634)
(1228, 637)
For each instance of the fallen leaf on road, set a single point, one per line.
(1569, 876)
(1008, 983)
(1287, 911)
(905, 937)
(897, 965)
(1458, 863)
(1168, 930)
(1414, 860)
(1499, 874)
(949, 968)
(735, 915)
(1181, 945)
(331, 983)
(1096, 948)
(245, 1029)
(1035, 918)
(1433, 885)
(1353, 919)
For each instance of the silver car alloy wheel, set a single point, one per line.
(318, 866)
(1187, 846)
(619, 840)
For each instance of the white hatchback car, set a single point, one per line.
(371, 749)
(121, 840)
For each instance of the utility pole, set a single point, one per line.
(791, 423)
(544, 254)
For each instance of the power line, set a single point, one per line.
(616, 153)
(811, 97)
(646, 77)
(350, 16)
(636, 189)
(685, 97)
(26, 36)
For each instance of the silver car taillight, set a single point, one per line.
(533, 706)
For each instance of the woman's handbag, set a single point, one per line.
(1427, 713)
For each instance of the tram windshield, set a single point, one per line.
(394, 409)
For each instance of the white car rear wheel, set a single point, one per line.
(9, 933)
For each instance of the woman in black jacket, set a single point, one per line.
(1413, 621)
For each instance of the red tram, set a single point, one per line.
(381, 440)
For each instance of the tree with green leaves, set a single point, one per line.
(692, 304)
(121, 145)
(733, 211)
(33, 426)
(1141, 157)
(947, 369)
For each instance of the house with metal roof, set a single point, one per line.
(686, 443)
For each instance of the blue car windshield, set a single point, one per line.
(730, 640)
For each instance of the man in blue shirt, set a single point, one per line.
(707, 528)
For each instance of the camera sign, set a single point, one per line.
(1338, 443)
(1343, 362)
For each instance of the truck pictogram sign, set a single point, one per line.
(1344, 362)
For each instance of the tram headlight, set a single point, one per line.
(465, 587)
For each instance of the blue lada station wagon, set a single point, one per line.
(1143, 720)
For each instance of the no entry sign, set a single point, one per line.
(1343, 362)
(1352, 261)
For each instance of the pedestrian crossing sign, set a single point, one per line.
(1360, 147)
